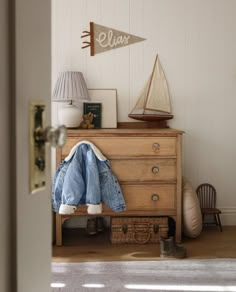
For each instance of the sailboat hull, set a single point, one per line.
(151, 117)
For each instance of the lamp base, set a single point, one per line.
(70, 116)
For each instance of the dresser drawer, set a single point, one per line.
(138, 170)
(128, 146)
(149, 197)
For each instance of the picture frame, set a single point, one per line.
(108, 99)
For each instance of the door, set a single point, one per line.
(31, 79)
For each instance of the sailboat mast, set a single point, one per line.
(149, 85)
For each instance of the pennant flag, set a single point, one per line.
(104, 38)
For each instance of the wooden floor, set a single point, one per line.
(79, 247)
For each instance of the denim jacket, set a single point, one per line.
(85, 177)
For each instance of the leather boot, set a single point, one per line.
(169, 249)
(100, 224)
(91, 226)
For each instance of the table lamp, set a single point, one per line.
(70, 87)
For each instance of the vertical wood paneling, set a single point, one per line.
(152, 32)
(94, 65)
(121, 59)
(137, 52)
(107, 59)
(61, 45)
(195, 41)
(78, 19)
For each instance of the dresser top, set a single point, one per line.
(124, 132)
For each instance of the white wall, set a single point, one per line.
(196, 44)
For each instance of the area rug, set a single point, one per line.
(164, 275)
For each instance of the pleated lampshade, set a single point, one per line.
(71, 88)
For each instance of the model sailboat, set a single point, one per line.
(153, 104)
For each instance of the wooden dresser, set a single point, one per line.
(148, 165)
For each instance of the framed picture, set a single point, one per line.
(108, 100)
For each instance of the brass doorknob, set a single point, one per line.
(55, 136)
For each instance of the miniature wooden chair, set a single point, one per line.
(207, 197)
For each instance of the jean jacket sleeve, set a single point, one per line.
(93, 189)
(74, 187)
(81, 183)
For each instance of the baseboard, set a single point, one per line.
(228, 216)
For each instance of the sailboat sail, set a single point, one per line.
(142, 98)
(154, 102)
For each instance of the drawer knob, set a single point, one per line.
(155, 169)
(155, 147)
(155, 197)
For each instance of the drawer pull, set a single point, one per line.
(155, 169)
(155, 147)
(155, 197)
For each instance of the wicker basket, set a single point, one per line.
(138, 229)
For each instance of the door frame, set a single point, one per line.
(29, 81)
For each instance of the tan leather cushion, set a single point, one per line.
(192, 217)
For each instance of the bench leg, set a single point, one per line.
(58, 230)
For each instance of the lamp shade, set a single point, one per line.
(70, 87)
